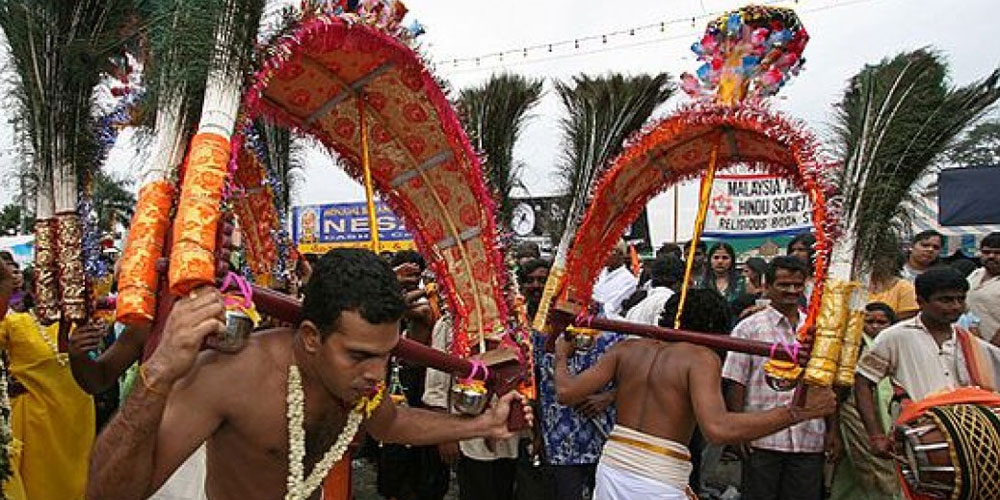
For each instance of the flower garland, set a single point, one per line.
(299, 487)
(6, 438)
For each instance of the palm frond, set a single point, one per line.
(602, 112)
(60, 50)
(494, 115)
(183, 36)
(979, 147)
(893, 124)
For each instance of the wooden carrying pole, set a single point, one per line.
(704, 339)
(501, 378)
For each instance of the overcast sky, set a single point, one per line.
(845, 36)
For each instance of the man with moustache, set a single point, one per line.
(787, 464)
(984, 289)
(243, 404)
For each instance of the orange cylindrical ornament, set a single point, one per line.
(192, 258)
(137, 281)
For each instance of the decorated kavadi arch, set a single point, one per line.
(748, 54)
(357, 89)
(349, 80)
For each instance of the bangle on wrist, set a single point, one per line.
(145, 382)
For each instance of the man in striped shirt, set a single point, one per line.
(788, 464)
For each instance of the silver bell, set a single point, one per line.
(469, 399)
(239, 326)
(583, 342)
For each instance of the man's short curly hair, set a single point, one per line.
(348, 279)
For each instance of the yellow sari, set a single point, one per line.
(52, 424)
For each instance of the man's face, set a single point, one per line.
(353, 358)
(990, 257)
(787, 288)
(944, 306)
(875, 322)
(926, 251)
(534, 284)
(721, 261)
(800, 251)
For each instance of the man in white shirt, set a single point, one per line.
(615, 283)
(925, 354)
(667, 272)
(984, 289)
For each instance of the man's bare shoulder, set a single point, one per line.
(674, 351)
(265, 352)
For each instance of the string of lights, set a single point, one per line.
(635, 36)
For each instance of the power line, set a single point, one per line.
(550, 51)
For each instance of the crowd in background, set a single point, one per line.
(60, 400)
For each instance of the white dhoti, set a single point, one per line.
(638, 466)
(187, 482)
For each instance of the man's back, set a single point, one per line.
(654, 395)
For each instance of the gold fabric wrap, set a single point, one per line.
(831, 323)
(46, 281)
(69, 249)
(851, 349)
(192, 258)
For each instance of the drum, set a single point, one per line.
(951, 452)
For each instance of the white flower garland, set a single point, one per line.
(6, 437)
(300, 488)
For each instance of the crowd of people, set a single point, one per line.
(626, 418)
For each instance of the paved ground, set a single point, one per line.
(364, 482)
(728, 473)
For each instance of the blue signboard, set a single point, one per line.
(319, 228)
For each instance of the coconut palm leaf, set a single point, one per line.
(60, 50)
(893, 124)
(182, 40)
(601, 113)
(494, 115)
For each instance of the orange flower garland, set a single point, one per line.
(192, 259)
(138, 280)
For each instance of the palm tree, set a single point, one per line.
(980, 146)
(60, 50)
(113, 200)
(285, 158)
(893, 124)
(494, 115)
(601, 113)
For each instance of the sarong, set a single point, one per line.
(636, 465)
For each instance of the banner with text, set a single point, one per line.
(754, 205)
(319, 228)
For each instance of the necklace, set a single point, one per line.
(61, 357)
(300, 487)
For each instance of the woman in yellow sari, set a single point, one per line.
(52, 422)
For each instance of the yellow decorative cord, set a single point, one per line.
(704, 197)
(366, 167)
